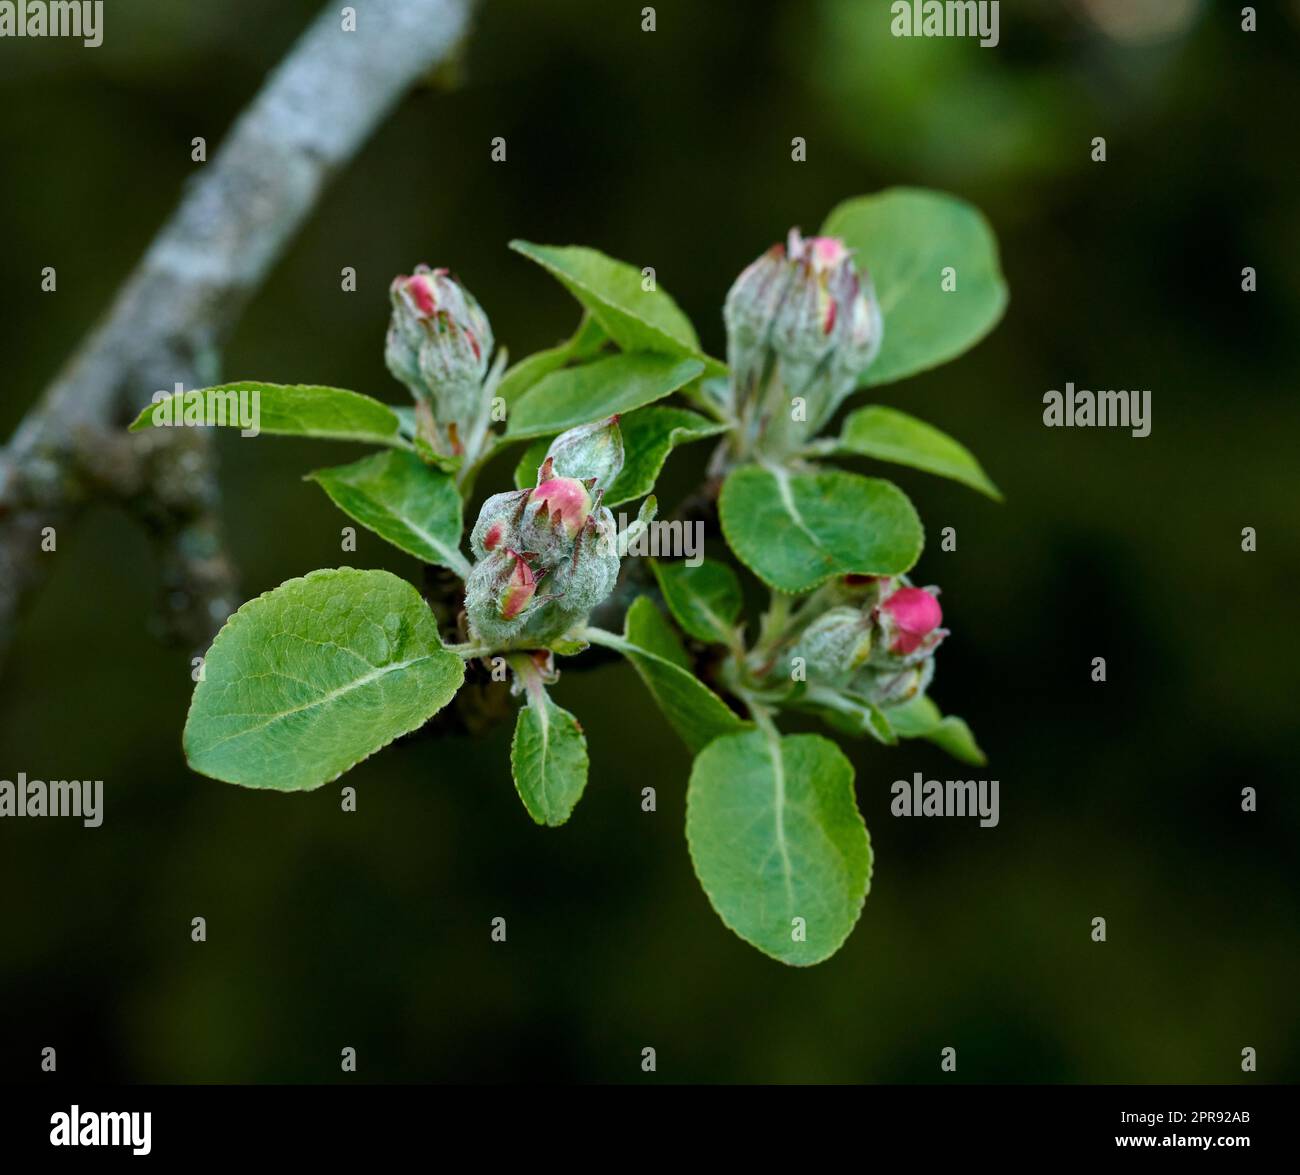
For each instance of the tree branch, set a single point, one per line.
(177, 307)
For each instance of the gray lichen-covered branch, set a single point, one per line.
(176, 308)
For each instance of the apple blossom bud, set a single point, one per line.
(834, 646)
(561, 503)
(499, 591)
(498, 522)
(439, 345)
(453, 364)
(749, 311)
(802, 322)
(911, 615)
(518, 591)
(892, 687)
(874, 637)
(569, 561)
(589, 451)
(589, 573)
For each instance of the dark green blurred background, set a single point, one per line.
(672, 149)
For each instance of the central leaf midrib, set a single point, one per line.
(544, 728)
(791, 507)
(451, 554)
(364, 680)
(778, 806)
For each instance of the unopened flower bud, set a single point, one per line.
(584, 579)
(749, 311)
(592, 451)
(498, 522)
(893, 686)
(911, 617)
(569, 542)
(834, 646)
(440, 345)
(802, 322)
(517, 593)
(498, 595)
(560, 503)
(453, 364)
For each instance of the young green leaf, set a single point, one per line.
(579, 395)
(921, 718)
(649, 435)
(645, 627)
(705, 600)
(795, 531)
(915, 242)
(307, 680)
(849, 713)
(412, 506)
(889, 435)
(585, 343)
(530, 460)
(692, 709)
(778, 843)
(614, 293)
(548, 758)
(284, 409)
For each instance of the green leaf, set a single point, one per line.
(694, 711)
(307, 680)
(635, 318)
(921, 718)
(414, 507)
(586, 342)
(889, 435)
(646, 628)
(705, 600)
(775, 836)
(906, 237)
(579, 395)
(795, 531)
(284, 409)
(548, 758)
(649, 435)
(849, 713)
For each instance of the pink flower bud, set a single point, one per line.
(825, 253)
(419, 289)
(520, 586)
(563, 503)
(915, 614)
(440, 345)
(498, 523)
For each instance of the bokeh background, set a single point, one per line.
(673, 149)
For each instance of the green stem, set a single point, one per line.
(610, 640)
(774, 620)
(761, 713)
(525, 669)
(820, 447)
(469, 650)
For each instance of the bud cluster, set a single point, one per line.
(546, 556)
(802, 325)
(440, 346)
(876, 640)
